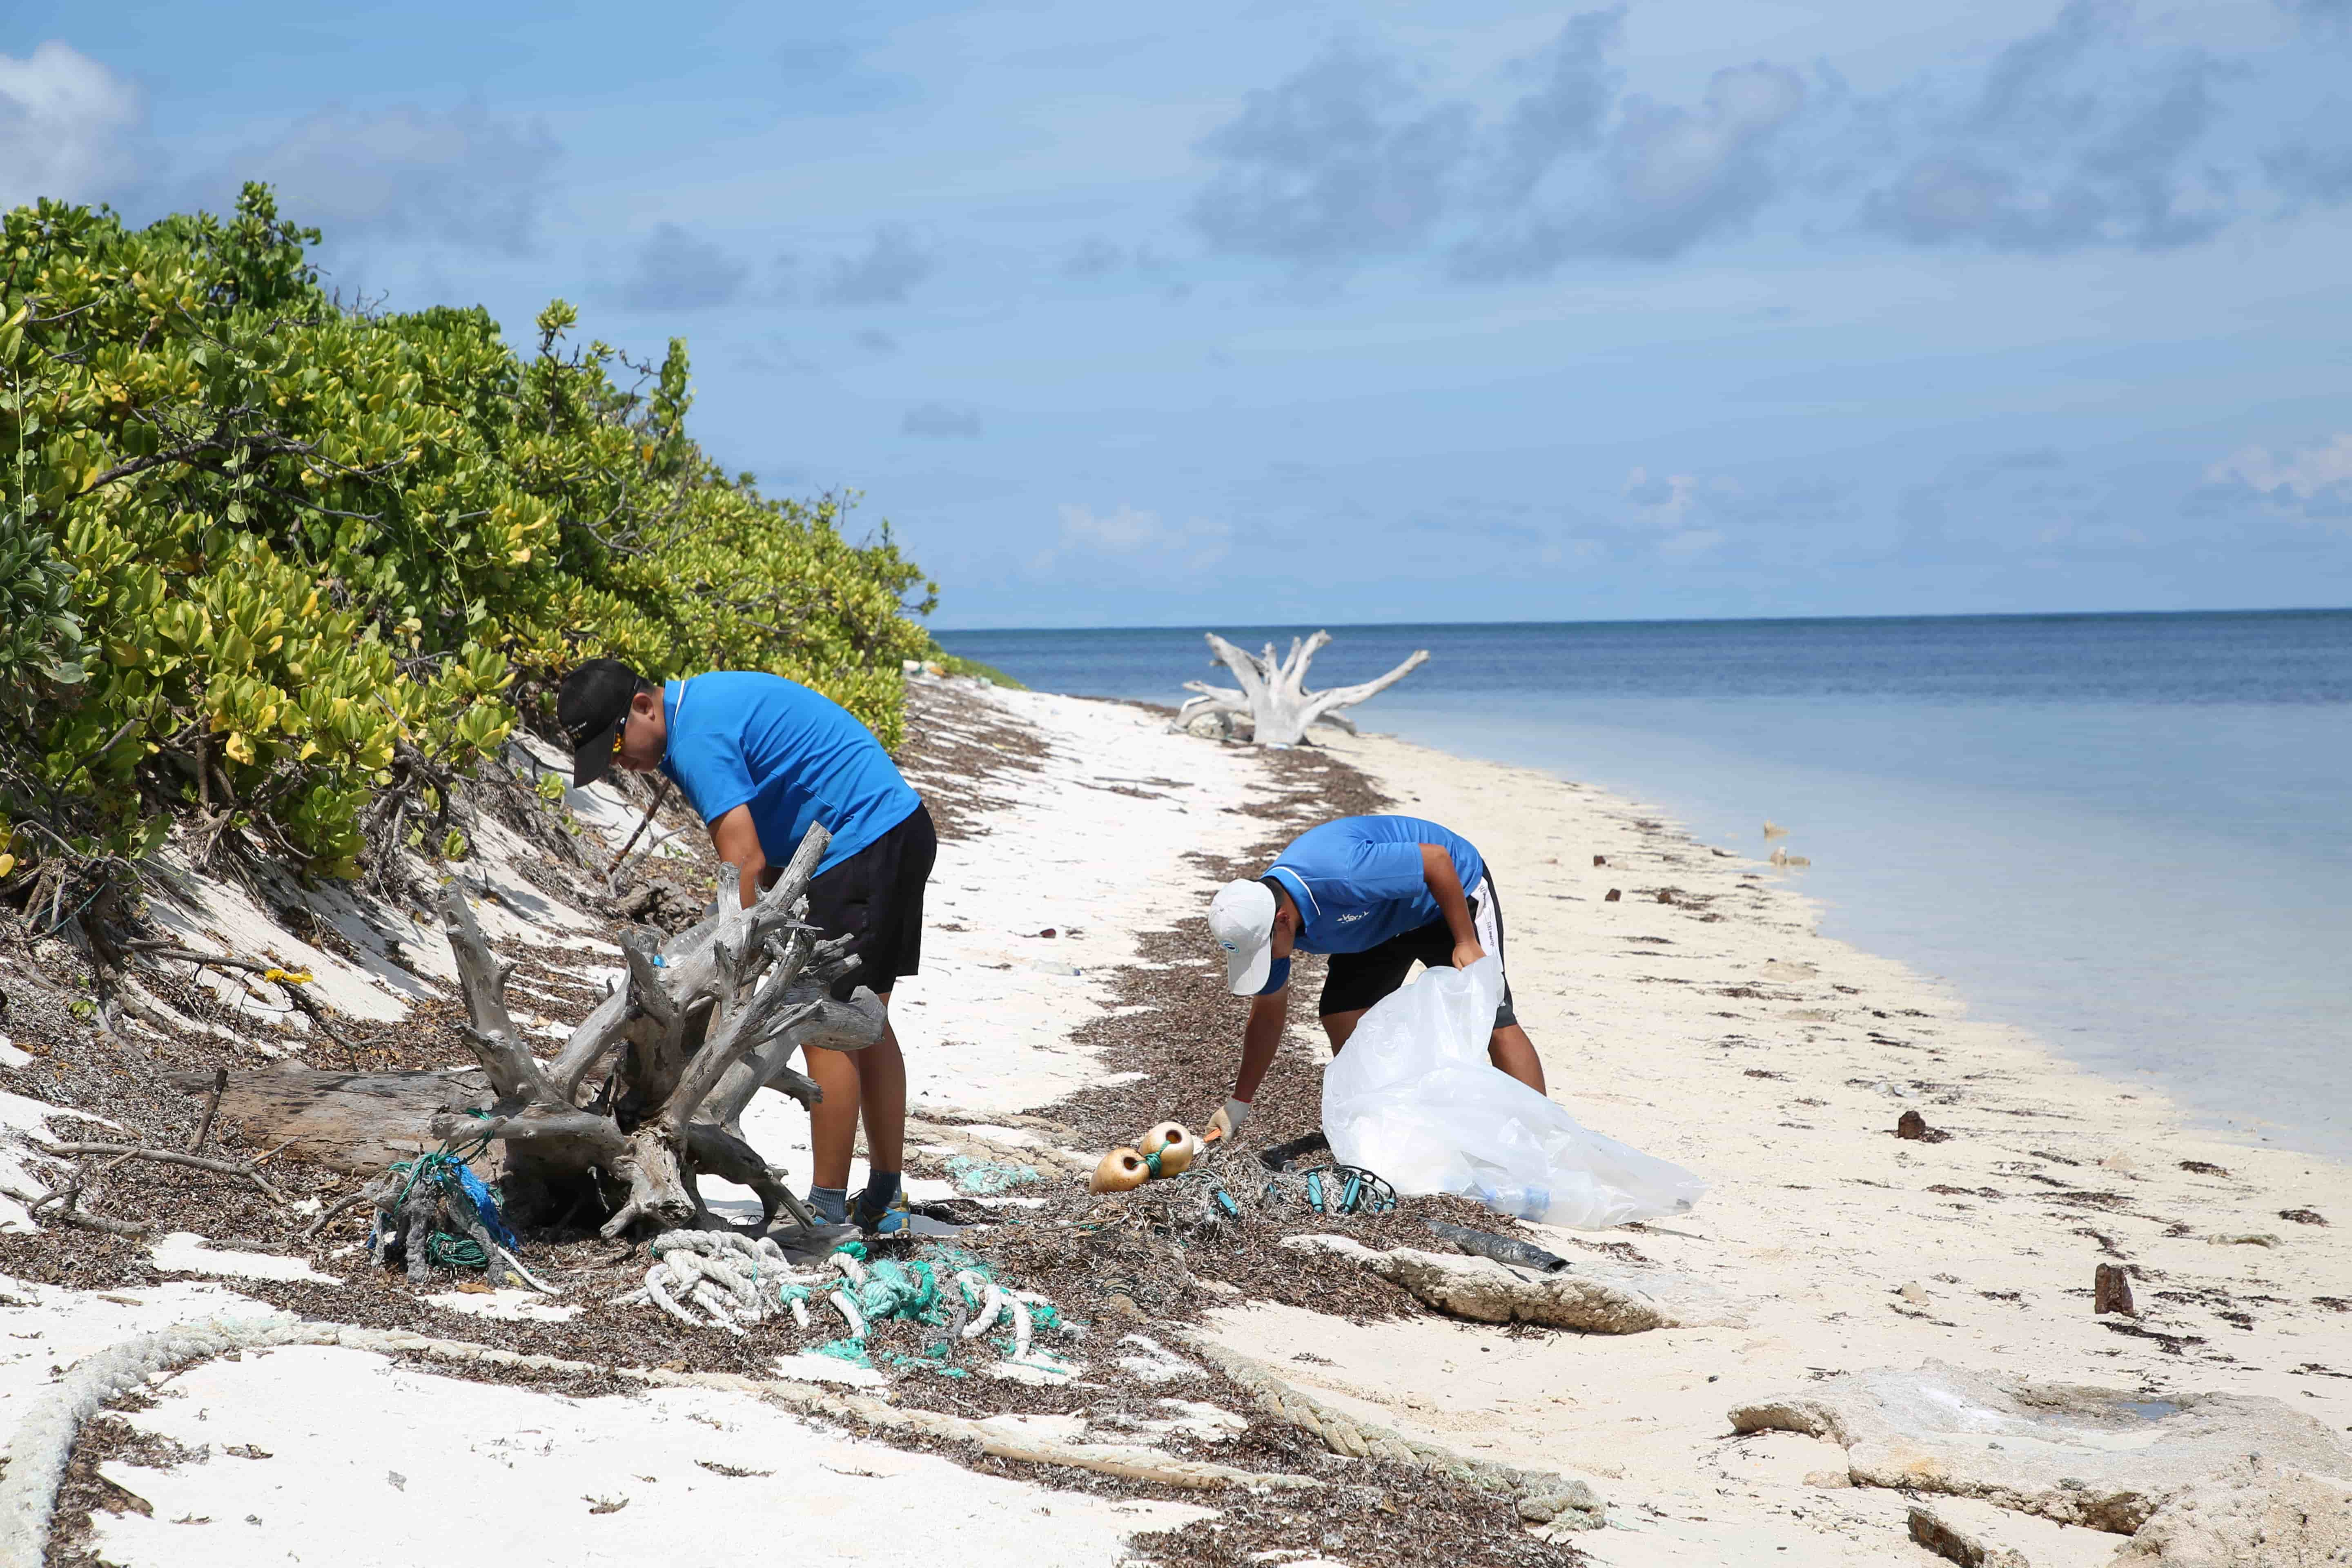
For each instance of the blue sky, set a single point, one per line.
(1274, 312)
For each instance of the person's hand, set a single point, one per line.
(1466, 954)
(1227, 1122)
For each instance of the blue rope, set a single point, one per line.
(450, 1167)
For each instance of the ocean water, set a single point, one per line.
(2128, 833)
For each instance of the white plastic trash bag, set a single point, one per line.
(1414, 1098)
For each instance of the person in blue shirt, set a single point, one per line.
(760, 758)
(1377, 893)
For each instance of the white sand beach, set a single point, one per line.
(1719, 1030)
(1732, 1038)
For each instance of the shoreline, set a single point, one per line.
(2123, 840)
(2136, 947)
(1726, 1032)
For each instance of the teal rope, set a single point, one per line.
(450, 1250)
(445, 1249)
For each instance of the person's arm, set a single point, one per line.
(1445, 887)
(736, 837)
(1261, 1037)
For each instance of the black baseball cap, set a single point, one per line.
(591, 705)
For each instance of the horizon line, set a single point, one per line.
(1687, 620)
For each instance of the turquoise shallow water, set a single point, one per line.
(2127, 832)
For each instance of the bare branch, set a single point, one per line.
(171, 1157)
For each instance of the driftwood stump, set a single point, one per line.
(649, 1091)
(1273, 693)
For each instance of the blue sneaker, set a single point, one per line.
(892, 1219)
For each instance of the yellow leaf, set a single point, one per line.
(7, 864)
(239, 746)
(288, 976)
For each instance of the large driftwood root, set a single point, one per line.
(37, 1450)
(1540, 1495)
(1273, 693)
(694, 1027)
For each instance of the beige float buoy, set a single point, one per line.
(1120, 1170)
(1174, 1145)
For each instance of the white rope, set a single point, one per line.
(990, 1303)
(43, 1439)
(734, 1279)
(524, 1274)
(723, 1279)
(1021, 1328)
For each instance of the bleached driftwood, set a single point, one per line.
(1273, 694)
(692, 1030)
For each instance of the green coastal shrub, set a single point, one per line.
(274, 557)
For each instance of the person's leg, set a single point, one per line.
(1510, 1049)
(1356, 979)
(833, 1120)
(1340, 1025)
(882, 1097)
(895, 950)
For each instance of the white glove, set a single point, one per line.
(1228, 1121)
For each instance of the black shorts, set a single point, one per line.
(877, 893)
(1356, 980)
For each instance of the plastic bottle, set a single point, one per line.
(1518, 1202)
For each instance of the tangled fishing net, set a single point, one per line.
(736, 1281)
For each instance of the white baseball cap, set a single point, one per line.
(1241, 917)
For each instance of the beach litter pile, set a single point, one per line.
(727, 1280)
(433, 1212)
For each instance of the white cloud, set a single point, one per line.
(2311, 472)
(893, 260)
(940, 421)
(69, 128)
(464, 176)
(1665, 500)
(1689, 543)
(1122, 532)
(1128, 531)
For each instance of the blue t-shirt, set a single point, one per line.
(795, 756)
(1359, 881)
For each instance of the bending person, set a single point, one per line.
(1376, 893)
(760, 758)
